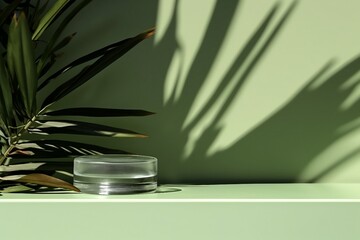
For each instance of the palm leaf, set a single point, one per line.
(6, 103)
(21, 61)
(98, 112)
(20, 167)
(83, 128)
(88, 57)
(11, 188)
(53, 165)
(8, 10)
(50, 46)
(88, 72)
(40, 8)
(81, 60)
(65, 41)
(61, 148)
(48, 18)
(43, 69)
(41, 179)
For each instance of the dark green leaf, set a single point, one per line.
(28, 61)
(61, 148)
(21, 61)
(65, 41)
(3, 37)
(98, 112)
(12, 45)
(50, 46)
(47, 66)
(84, 59)
(40, 8)
(47, 19)
(20, 167)
(27, 168)
(43, 69)
(6, 102)
(32, 14)
(88, 72)
(8, 11)
(19, 107)
(48, 166)
(83, 128)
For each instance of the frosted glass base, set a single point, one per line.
(110, 189)
(115, 174)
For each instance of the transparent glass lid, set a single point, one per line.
(117, 173)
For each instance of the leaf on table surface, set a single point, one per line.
(82, 128)
(98, 112)
(91, 70)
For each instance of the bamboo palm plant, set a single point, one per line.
(26, 67)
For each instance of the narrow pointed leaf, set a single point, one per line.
(15, 66)
(90, 71)
(20, 167)
(47, 19)
(21, 61)
(98, 112)
(28, 61)
(45, 180)
(15, 188)
(60, 148)
(46, 153)
(91, 56)
(39, 12)
(48, 165)
(12, 46)
(8, 10)
(34, 13)
(82, 128)
(49, 154)
(50, 46)
(65, 41)
(6, 102)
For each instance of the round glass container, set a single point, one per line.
(115, 174)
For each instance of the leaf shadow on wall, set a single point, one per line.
(277, 150)
(280, 148)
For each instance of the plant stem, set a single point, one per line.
(16, 139)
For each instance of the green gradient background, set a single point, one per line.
(280, 124)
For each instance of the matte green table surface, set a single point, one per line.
(249, 211)
(240, 192)
(224, 193)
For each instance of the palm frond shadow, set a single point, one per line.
(197, 168)
(277, 150)
(280, 148)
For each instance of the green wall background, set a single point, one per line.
(244, 91)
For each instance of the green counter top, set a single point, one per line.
(242, 211)
(246, 192)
